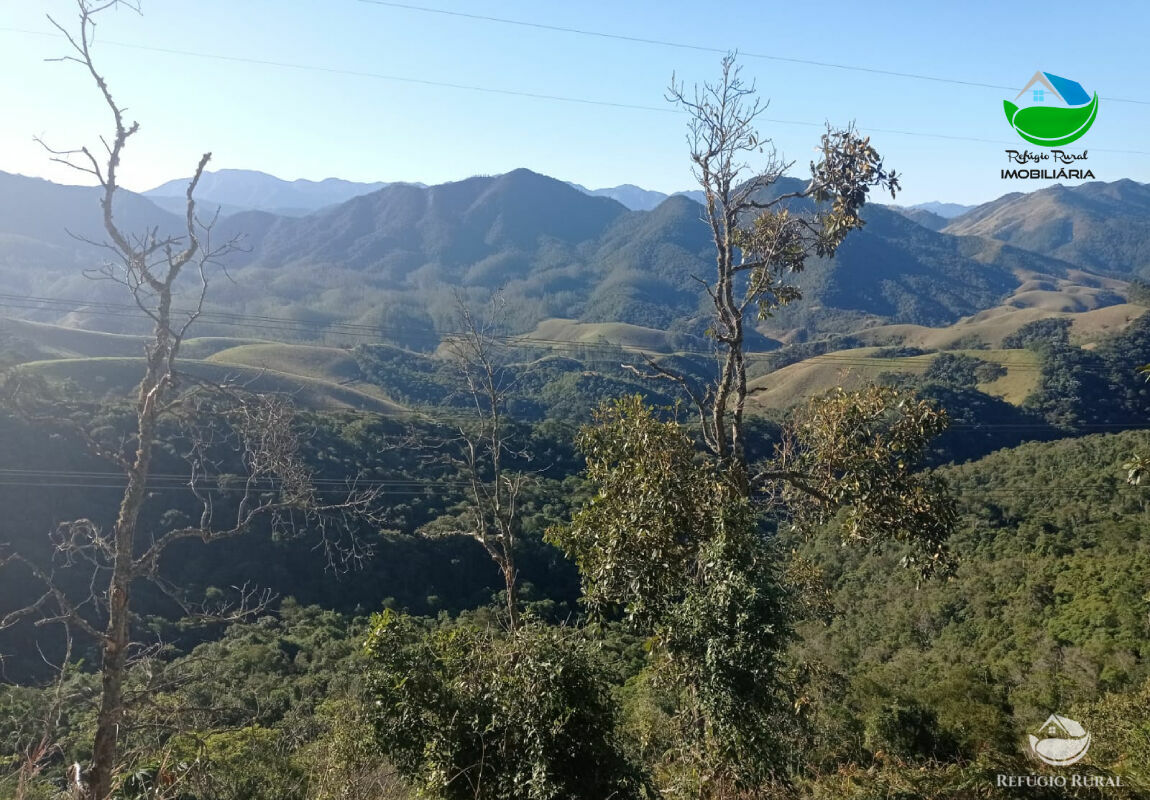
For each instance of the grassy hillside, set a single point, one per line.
(330, 364)
(618, 333)
(852, 369)
(119, 375)
(988, 328)
(57, 341)
(1100, 226)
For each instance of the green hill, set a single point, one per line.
(616, 333)
(988, 328)
(117, 376)
(851, 369)
(1047, 609)
(57, 341)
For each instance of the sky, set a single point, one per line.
(353, 106)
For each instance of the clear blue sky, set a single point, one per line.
(313, 124)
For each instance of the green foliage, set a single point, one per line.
(1139, 292)
(250, 763)
(1047, 610)
(653, 506)
(908, 732)
(849, 168)
(343, 761)
(962, 371)
(1080, 388)
(1123, 742)
(900, 352)
(857, 453)
(668, 541)
(1041, 332)
(725, 640)
(471, 712)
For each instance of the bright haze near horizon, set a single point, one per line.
(343, 97)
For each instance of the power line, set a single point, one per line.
(117, 482)
(706, 49)
(524, 94)
(354, 73)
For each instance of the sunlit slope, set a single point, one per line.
(330, 364)
(120, 375)
(988, 328)
(56, 341)
(851, 369)
(552, 331)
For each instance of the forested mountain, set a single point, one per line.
(1103, 227)
(41, 223)
(927, 219)
(393, 257)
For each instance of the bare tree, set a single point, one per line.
(479, 352)
(761, 236)
(259, 435)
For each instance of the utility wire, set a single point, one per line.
(519, 93)
(354, 73)
(705, 49)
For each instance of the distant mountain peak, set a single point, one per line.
(246, 189)
(944, 210)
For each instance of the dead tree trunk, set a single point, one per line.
(493, 489)
(148, 266)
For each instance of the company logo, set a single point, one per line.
(1064, 741)
(1054, 112)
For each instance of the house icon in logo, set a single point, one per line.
(1064, 741)
(1050, 90)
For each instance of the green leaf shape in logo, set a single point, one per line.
(1048, 126)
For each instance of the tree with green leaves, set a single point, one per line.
(470, 712)
(669, 543)
(675, 539)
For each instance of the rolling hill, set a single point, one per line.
(117, 377)
(852, 369)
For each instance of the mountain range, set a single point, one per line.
(235, 190)
(394, 256)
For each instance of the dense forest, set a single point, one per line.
(896, 683)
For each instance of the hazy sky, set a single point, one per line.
(321, 122)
